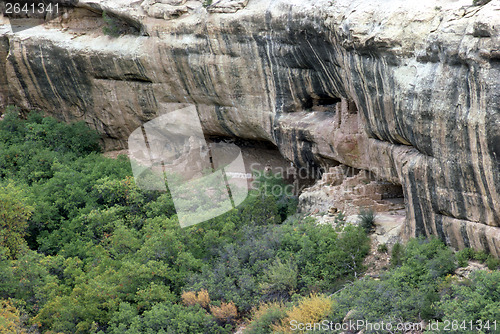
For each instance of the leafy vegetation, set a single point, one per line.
(265, 317)
(407, 292)
(111, 26)
(84, 250)
(466, 254)
(475, 300)
(367, 219)
(312, 309)
(421, 286)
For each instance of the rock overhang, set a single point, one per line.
(424, 78)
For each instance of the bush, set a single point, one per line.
(493, 263)
(382, 248)
(14, 215)
(61, 137)
(312, 309)
(10, 319)
(480, 256)
(408, 291)
(377, 301)
(396, 254)
(117, 261)
(325, 257)
(226, 313)
(164, 318)
(233, 271)
(111, 26)
(251, 267)
(32, 148)
(191, 298)
(265, 317)
(367, 220)
(280, 280)
(474, 300)
(425, 260)
(463, 256)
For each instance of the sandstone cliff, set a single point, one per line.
(407, 90)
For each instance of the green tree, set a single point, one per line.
(14, 215)
(475, 300)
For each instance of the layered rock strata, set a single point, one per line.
(409, 91)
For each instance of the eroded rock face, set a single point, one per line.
(419, 85)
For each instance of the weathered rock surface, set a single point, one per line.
(227, 6)
(423, 83)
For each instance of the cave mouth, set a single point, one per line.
(376, 193)
(263, 157)
(320, 101)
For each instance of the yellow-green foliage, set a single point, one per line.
(312, 309)
(10, 319)
(264, 317)
(14, 215)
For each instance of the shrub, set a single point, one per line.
(367, 219)
(111, 27)
(492, 263)
(119, 261)
(382, 248)
(325, 258)
(164, 318)
(272, 194)
(280, 280)
(340, 219)
(425, 260)
(12, 128)
(472, 301)
(232, 273)
(246, 269)
(463, 256)
(312, 309)
(61, 137)
(396, 254)
(203, 298)
(264, 317)
(191, 298)
(480, 256)
(10, 319)
(408, 291)
(226, 313)
(153, 294)
(14, 215)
